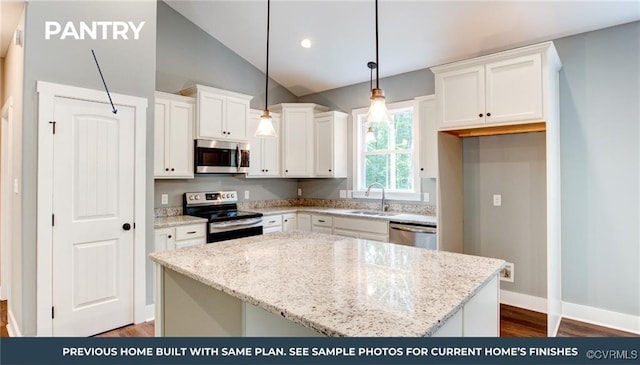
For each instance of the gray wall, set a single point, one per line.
(515, 167)
(400, 87)
(128, 67)
(600, 119)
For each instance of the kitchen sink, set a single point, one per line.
(371, 213)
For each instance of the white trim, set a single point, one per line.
(601, 317)
(6, 198)
(12, 327)
(530, 302)
(150, 312)
(46, 94)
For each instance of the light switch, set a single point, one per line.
(16, 186)
(349, 194)
(299, 191)
(497, 200)
(165, 199)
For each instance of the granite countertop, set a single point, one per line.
(395, 217)
(179, 220)
(339, 286)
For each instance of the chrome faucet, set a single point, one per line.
(381, 187)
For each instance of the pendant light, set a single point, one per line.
(378, 110)
(265, 127)
(370, 136)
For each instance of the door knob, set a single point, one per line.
(126, 226)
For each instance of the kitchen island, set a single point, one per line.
(311, 284)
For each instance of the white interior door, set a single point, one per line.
(93, 195)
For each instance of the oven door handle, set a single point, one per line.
(239, 223)
(414, 230)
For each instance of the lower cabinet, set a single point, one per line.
(304, 221)
(367, 229)
(321, 223)
(272, 223)
(172, 238)
(289, 222)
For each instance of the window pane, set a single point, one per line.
(403, 129)
(404, 172)
(376, 169)
(381, 132)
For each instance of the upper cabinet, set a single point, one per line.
(505, 88)
(330, 141)
(297, 137)
(264, 156)
(220, 114)
(426, 113)
(173, 157)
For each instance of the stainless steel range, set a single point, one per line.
(221, 209)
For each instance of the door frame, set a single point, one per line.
(6, 199)
(47, 92)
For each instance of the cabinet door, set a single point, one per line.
(211, 114)
(296, 151)
(271, 150)
(345, 233)
(237, 114)
(460, 97)
(324, 148)
(255, 145)
(161, 137)
(163, 239)
(514, 90)
(289, 222)
(181, 140)
(428, 137)
(304, 222)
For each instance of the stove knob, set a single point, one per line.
(197, 197)
(190, 197)
(232, 195)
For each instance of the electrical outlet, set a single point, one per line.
(349, 194)
(343, 194)
(165, 199)
(246, 194)
(299, 191)
(497, 200)
(507, 274)
(426, 197)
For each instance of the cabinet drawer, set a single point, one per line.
(272, 221)
(190, 232)
(363, 225)
(191, 243)
(321, 220)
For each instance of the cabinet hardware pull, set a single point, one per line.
(172, 169)
(167, 169)
(488, 114)
(329, 170)
(480, 115)
(169, 236)
(192, 232)
(422, 169)
(321, 220)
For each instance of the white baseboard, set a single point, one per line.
(12, 328)
(525, 301)
(150, 312)
(601, 317)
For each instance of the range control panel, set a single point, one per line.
(211, 198)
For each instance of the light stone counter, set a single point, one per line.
(334, 285)
(395, 217)
(179, 220)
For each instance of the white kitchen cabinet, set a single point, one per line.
(426, 113)
(220, 114)
(368, 229)
(330, 142)
(173, 136)
(171, 238)
(321, 223)
(265, 152)
(297, 137)
(500, 89)
(289, 222)
(304, 221)
(272, 223)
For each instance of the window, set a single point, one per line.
(388, 155)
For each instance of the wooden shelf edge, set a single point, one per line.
(503, 129)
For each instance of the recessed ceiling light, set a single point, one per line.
(306, 43)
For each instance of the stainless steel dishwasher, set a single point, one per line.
(412, 234)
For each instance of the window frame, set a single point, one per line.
(358, 152)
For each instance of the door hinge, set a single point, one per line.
(53, 220)
(53, 122)
(52, 313)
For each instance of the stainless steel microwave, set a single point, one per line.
(220, 157)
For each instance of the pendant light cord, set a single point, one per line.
(377, 63)
(266, 83)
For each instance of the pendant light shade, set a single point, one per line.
(370, 136)
(378, 110)
(265, 127)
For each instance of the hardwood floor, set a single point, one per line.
(514, 322)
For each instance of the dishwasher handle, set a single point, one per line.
(413, 229)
